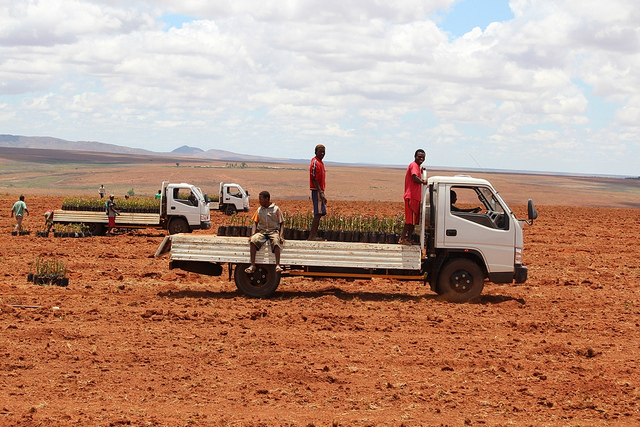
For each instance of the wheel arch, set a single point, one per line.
(175, 218)
(470, 254)
(450, 254)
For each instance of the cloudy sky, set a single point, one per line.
(543, 85)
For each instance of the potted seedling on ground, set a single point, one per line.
(48, 272)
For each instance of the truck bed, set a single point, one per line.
(124, 219)
(221, 249)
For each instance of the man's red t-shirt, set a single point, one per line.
(317, 172)
(412, 189)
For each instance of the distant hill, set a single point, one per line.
(49, 143)
(61, 144)
(185, 149)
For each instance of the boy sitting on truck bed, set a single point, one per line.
(267, 223)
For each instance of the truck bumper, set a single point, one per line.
(521, 273)
(205, 225)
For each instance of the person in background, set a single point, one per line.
(317, 175)
(192, 198)
(48, 220)
(267, 223)
(454, 198)
(102, 191)
(158, 194)
(18, 210)
(112, 211)
(412, 195)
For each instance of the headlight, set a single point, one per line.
(518, 259)
(204, 217)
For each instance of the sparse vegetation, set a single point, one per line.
(49, 267)
(137, 204)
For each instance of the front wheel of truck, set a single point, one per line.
(262, 283)
(178, 225)
(460, 280)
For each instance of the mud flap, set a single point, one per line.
(164, 247)
(200, 267)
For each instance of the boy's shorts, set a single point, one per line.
(112, 221)
(412, 211)
(260, 239)
(318, 207)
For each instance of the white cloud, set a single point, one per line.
(361, 74)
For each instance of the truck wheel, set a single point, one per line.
(260, 284)
(96, 229)
(229, 210)
(178, 225)
(460, 280)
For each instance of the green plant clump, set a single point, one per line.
(83, 203)
(339, 222)
(71, 228)
(49, 267)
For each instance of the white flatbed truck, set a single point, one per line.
(232, 198)
(176, 213)
(458, 251)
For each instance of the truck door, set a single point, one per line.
(475, 219)
(232, 195)
(181, 201)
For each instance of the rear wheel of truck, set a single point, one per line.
(178, 225)
(262, 283)
(229, 209)
(460, 280)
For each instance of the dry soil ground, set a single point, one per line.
(130, 342)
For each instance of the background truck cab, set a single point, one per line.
(184, 208)
(232, 198)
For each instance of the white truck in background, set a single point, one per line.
(183, 208)
(459, 248)
(232, 198)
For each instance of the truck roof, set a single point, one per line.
(458, 179)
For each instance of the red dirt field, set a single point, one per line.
(130, 342)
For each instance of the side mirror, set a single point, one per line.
(247, 193)
(206, 198)
(531, 211)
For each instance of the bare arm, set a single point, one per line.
(417, 179)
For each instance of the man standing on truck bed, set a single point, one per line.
(267, 225)
(412, 195)
(317, 185)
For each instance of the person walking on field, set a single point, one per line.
(412, 195)
(112, 211)
(102, 191)
(48, 220)
(18, 209)
(317, 175)
(267, 223)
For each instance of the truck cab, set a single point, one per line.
(467, 219)
(233, 198)
(184, 208)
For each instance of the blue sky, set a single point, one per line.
(523, 84)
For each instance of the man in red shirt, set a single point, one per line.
(412, 195)
(317, 185)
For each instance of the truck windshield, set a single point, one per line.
(489, 200)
